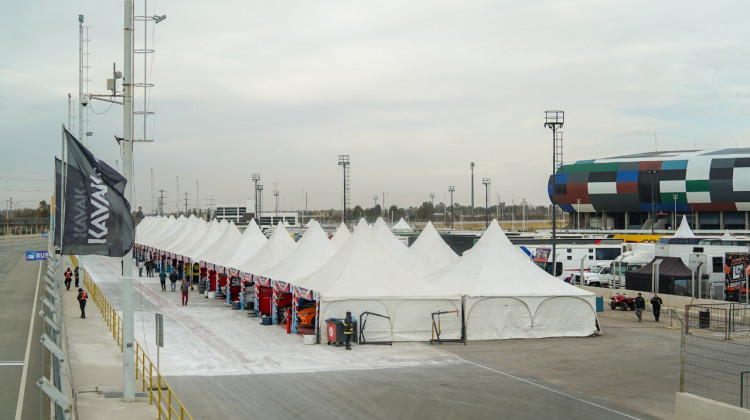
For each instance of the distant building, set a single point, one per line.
(241, 214)
(710, 187)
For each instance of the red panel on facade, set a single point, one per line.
(627, 188)
(650, 165)
(713, 207)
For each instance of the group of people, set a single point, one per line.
(640, 305)
(82, 295)
(173, 277)
(150, 265)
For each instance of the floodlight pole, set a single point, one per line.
(486, 183)
(128, 356)
(344, 162)
(554, 119)
(451, 189)
(652, 170)
(80, 78)
(256, 178)
(471, 165)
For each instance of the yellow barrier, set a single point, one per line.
(159, 391)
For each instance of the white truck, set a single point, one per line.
(633, 257)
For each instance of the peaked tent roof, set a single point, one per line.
(178, 237)
(429, 253)
(278, 247)
(313, 251)
(195, 235)
(684, 230)
(387, 239)
(252, 240)
(206, 241)
(341, 236)
(402, 226)
(494, 267)
(224, 245)
(363, 269)
(143, 234)
(155, 240)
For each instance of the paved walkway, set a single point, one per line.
(96, 367)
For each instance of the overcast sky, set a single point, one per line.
(412, 90)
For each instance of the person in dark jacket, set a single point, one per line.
(348, 329)
(163, 280)
(640, 305)
(656, 306)
(82, 296)
(75, 272)
(173, 279)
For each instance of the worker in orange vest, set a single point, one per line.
(68, 278)
(82, 296)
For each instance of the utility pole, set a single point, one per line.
(432, 205)
(276, 195)
(186, 203)
(472, 164)
(128, 323)
(486, 182)
(197, 200)
(152, 192)
(256, 179)
(178, 194)
(451, 189)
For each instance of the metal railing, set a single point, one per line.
(159, 391)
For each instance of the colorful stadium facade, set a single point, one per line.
(711, 187)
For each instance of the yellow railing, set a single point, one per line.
(169, 406)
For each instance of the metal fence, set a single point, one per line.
(716, 352)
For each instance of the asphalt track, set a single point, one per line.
(21, 361)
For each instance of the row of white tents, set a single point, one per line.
(491, 292)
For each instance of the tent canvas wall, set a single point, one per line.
(507, 296)
(675, 278)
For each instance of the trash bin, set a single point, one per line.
(704, 319)
(335, 332)
(599, 304)
(202, 285)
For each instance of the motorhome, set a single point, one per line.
(632, 257)
(572, 259)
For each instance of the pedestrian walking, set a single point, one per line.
(184, 287)
(68, 278)
(140, 268)
(163, 280)
(76, 275)
(348, 329)
(656, 303)
(82, 296)
(640, 305)
(173, 279)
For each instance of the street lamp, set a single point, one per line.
(486, 183)
(256, 178)
(674, 215)
(578, 213)
(432, 204)
(451, 189)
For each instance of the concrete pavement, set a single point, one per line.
(95, 365)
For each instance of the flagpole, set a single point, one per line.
(128, 356)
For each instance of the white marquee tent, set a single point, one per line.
(507, 296)
(429, 253)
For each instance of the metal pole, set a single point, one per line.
(128, 357)
(80, 78)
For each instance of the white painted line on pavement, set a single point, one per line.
(19, 404)
(545, 388)
(19, 363)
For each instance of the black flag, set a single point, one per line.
(58, 197)
(97, 216)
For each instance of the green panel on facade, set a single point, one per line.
(590, 167)
(668, 197)
(697, 185)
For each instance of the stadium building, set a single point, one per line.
(710, 187)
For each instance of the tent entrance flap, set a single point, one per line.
(437, 330)
(363, 316)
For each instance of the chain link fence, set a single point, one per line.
(716, 352)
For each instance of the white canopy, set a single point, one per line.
(684, 230)
(198, 232)
(178, 237)
(402, 226)
(313, 251)
(341, 236)
(223, 246)
(158, 231)
(387, 239)
(252, 240)
(206, 241)
(278, 247)
(364, 277)
(510, 297)
(429, 253)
